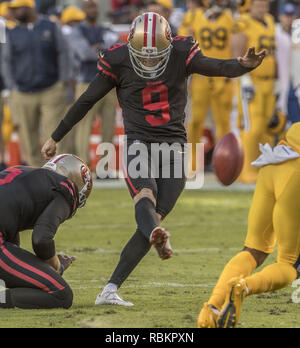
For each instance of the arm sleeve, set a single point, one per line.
(202, 65)
(46, 226)
(97, 89)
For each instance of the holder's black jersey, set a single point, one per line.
(153, 109)
(26, 193)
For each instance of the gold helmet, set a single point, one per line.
(149, 44)
(76, 170)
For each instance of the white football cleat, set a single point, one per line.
(111, 298)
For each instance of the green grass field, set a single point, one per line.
(207, 228)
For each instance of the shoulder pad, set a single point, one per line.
(183, 43)
(110, 58)
(188, 46)
(70, 191)
(115, 54)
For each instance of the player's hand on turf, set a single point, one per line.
(65, 262)
(252, 59)
(49, 149)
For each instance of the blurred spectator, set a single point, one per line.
(54, 14)
(285, 91)
(35, 66)
(117, 4)
(257, 99)
(42, 6)
(193, 4)
(163, 8)
(188, 19)
(293, 106)
(2, 164)
(71, 17)
(7, 13)
(277, 5)
(124, 11)
(180, 8)
(87, 40)
(7, 16)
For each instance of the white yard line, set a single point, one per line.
(142, 286)
(179, 251)
(210, 184)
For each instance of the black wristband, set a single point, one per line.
(60, 132)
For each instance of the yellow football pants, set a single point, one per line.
(274, 214)
(261, 109)
(214, 93)
(273, 220)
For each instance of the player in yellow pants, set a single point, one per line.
(256, 28)
(273, 220)
(216, 93)
(261, 109)
(211, 27)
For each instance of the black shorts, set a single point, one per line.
(161, 171)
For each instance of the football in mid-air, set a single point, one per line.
(228, 159)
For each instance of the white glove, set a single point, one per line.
(278, 154)
(247, 88)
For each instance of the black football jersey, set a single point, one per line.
(25, 192)
(153, 110)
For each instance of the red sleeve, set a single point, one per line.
(105, 68)
(192, 52)
(108, 61)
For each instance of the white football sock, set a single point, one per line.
(110, 287)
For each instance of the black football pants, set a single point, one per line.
(166, 190)
(30, 283)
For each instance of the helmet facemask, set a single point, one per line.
(86, 189)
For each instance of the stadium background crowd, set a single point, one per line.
(49, 56)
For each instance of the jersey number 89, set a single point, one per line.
(213, 38)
